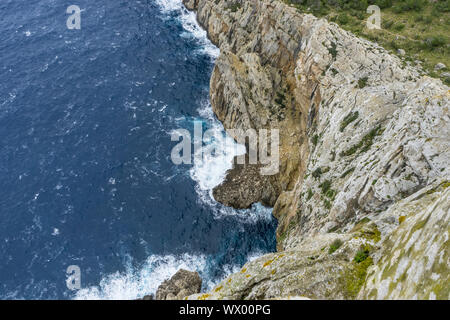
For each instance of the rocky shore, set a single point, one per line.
(362, 195)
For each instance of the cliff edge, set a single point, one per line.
(362, 194)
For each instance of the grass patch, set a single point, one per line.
(332, 50)
(361, 255)
(327, 204)
(234, 7)
(325, 186)
(365, 143)
(317, 173)
(353, 277)
(309, 194)
(331, 194)
(335, 245)
(315, 139)
(362, 82)
(352, 116)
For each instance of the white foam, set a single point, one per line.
(136, 284)
(211, 172)
(189, 22)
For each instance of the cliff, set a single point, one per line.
(362, 192)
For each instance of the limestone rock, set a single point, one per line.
(344, 107)
(439, 66)
(361, 135)
(414, 260)
(182, 284)
(313, 271)
(244, 185)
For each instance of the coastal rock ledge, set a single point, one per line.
(182, 284)
(362, 195)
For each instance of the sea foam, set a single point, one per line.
(175, 8)
(209, 173)
(135, 284)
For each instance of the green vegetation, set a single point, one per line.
(334, 229)
(327, 191)
(361, 255)
(234, 7)
(317, 173)
(325, 186)
(353, 277)
(335, 245)
(352, 116)
(362, 82)
(315, 139)
(346, 173)
(374, 234)
(327, 204)
(309, 195)
(280, 99)
(331, 194)
(332, 50)
(419, 27)
(367, 230)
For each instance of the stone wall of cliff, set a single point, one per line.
(362, 136)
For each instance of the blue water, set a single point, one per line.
(86, 177)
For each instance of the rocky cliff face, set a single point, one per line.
(364, 145)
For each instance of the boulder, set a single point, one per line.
(439, 66)
(182, 284)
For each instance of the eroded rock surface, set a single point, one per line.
(414, 260)
(362, 135)
(244, 186)
(312, 271)
(182, 284)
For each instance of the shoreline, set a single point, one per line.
(339, 100)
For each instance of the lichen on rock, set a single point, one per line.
(414, 260)
(364, 139)
(181, 285)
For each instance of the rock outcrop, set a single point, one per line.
(363, 136)
(309, 271)
(414, 259)
(411, 260)
(244, 185)
(182, 284)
